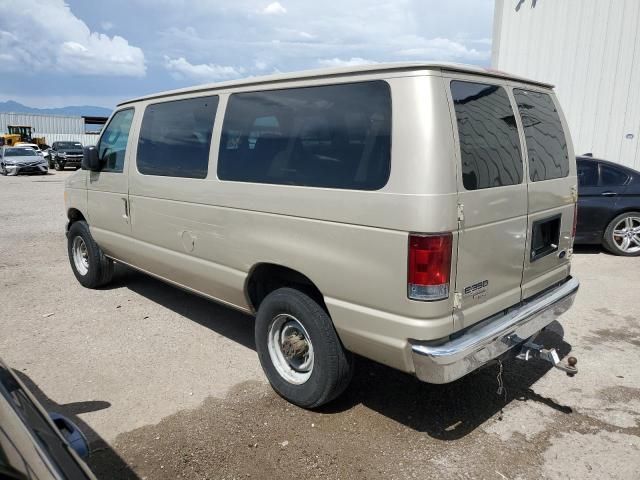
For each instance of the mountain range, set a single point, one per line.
(75, 111)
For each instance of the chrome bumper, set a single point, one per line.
(491, 338)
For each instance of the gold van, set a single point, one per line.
(421, 215)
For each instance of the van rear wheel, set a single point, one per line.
(89, 264)
(299, 349)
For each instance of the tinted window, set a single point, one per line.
(336, 136)
(546, 143)
(489, 143)
(611, 176)
(587, 174)
(175, 138)
(113, 142)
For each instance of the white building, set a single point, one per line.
(53, 127)
(589, 49)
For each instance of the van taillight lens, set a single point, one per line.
(575, 223)
(429, 266)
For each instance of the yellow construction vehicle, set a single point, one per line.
(21, 133)
(9, 139)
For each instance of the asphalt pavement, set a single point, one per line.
(168, 385)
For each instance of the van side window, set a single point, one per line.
(335, 136)
(175, 138)
(489, 143)
(113, 142)
(546, 142)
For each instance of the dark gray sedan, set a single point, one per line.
(14, 160)
(608, 206)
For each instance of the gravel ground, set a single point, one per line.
(168, 385)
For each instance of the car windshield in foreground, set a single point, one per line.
(69, 145)
(19, 152)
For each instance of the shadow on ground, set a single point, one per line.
(446, 412)
(104, 461)
(589, 250)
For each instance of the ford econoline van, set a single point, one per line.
(421, 215)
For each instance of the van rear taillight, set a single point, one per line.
(429, 266)
(575, 223)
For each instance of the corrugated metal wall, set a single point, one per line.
(590, 49)
(43, 123)
(54, 128)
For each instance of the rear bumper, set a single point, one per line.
(446, 362)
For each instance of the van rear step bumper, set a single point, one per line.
(446, 362)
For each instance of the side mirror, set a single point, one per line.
(90, 159)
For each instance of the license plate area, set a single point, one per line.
(545, 237)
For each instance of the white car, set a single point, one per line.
(20, 159)
(45, 153)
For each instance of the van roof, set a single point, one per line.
(342, 71)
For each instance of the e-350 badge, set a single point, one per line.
(477, 290)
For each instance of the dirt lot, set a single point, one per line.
(168, 385)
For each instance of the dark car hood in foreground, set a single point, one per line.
(41, 437)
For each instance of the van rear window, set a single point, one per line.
(546, 142)
(175, 138)
(489, 143)
(334, 136)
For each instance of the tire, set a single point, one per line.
(331, 365)
(98, 269)
(51, 164)
(3, 170)
(58, 165)
(622, 235)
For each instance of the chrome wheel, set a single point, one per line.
(290, 349)
(626, 234)
(80, 255)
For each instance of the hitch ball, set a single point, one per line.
(571, 363)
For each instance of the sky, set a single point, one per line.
(100, 52)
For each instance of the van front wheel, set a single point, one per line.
(91, 268)
(299, 349)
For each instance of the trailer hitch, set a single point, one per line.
(531, 351)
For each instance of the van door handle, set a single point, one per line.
(125, 215)
(609, 194)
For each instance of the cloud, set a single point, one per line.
(443, 49)
(337, 62)
(260, 65)
(45, 36)
(274, 8)
(221, 39)
(180, 68)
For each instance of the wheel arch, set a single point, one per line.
(74, 215)
(265, 277)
